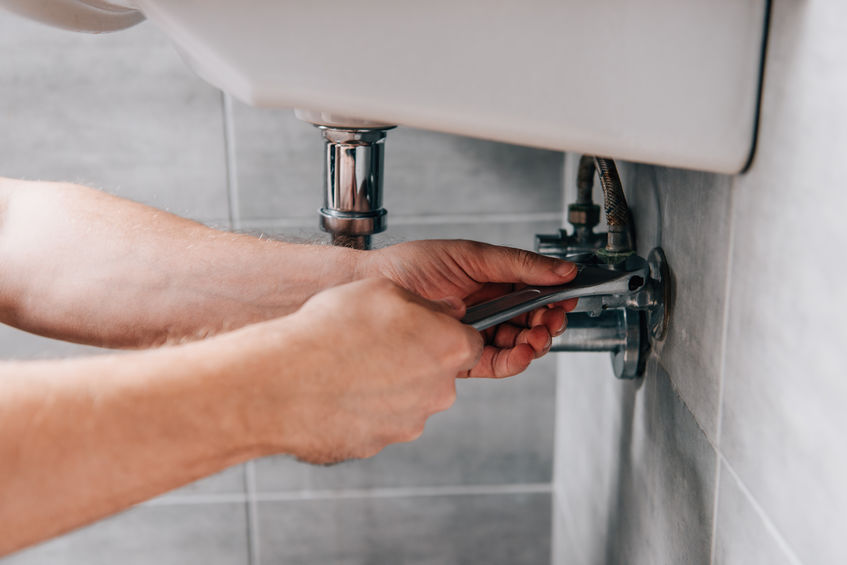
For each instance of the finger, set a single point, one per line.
(550, 316)
(568, 304)
(505, 264)
(509, 336)
(554, 320)
(500, 363)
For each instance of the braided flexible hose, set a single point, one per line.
(617, 211)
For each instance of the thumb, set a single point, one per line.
(509, 265)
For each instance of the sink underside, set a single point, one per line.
(661, 81)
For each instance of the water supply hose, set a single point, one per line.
(619, 241)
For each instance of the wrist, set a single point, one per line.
(314, 268)
(257, 368)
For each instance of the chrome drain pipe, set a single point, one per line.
(354, 153)
(352, 209)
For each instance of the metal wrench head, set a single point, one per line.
(591, 280)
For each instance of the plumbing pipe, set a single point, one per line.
(353, 164)
(619, 240)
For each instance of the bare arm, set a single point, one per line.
(80, 265)
(358, 367)
(353, 369)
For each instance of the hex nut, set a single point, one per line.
(584, 214)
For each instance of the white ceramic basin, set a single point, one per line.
(673, 82)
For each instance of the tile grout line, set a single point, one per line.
(405, 492)
(351, 493)
(197, 499)
(231, 164)
(722, 375)
(783, 544)
(722, 460)
(233, 205)
(252, 513)
(414, 220)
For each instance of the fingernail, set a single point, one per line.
(547, 347)
(561, 329)
(565, 269)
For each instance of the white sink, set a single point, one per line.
(673, 82)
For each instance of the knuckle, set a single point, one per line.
(412, 430)
(416, 431)
(459, 353)
(470, 246)
(371, 450)
(470, 345)
(448, 398)
(525, 259)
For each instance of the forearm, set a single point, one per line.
(356, 368)
(80, 265)
(85, 438)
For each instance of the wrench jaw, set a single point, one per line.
(620, 308)
(626, 323)
(591, 280)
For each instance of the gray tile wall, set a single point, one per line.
(731, 450)
(122, 113)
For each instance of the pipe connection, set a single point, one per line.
(624, 324)
(584, 215)
(354, 154)
(353, 165)
(619, 239)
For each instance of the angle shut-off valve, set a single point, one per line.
(624, 319)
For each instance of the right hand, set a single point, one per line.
(373, 362)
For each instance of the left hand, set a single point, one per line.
(474, 272)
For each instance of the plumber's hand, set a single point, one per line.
(373, 361)
(475, 272)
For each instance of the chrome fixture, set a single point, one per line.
(623, 321)
(591, 280)
(617, 331)
(354, 151)
(584, 215)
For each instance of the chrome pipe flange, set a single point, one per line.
(658, 315)
(626, 361)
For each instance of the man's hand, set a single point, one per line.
(377, 361)
(84, 266)
(358, 367)
(474, 272)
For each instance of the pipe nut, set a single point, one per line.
(584, 215)
(353, 223)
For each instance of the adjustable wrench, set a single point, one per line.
(591, 280)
